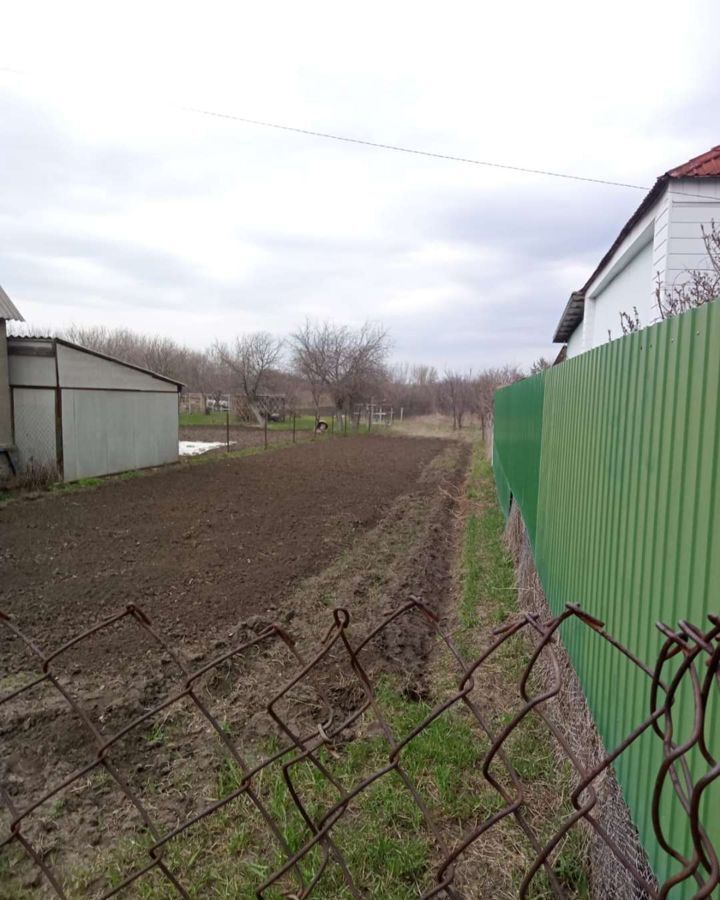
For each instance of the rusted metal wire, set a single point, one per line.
(687, 666)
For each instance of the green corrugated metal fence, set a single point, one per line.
(613, 458)
(518, 431)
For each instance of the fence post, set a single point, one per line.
(345, 418)
(265, 429)
(227, 429)
(293, 428)
(369, 418)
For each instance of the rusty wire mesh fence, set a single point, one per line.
(688, 664)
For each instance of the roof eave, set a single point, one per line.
(572, 316)
(8, 310)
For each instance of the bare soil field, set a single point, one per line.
(173, 766)
(212, 553)
(199, 547)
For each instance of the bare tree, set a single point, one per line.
(539, 365)
(309, 348)
(349, 364)
(250, 359)
(455, 395)
(483, 393)
(412, 388)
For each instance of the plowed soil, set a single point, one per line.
(212, 552)
(199, 547)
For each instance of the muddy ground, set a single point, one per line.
(212, 553)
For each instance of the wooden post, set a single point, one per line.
(265, 428)
(369, 417)
(345, 418)
(293, 428)
(227, 429)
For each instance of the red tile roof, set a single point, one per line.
(707, 165)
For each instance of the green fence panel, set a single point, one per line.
(516, 446)
(626, 522)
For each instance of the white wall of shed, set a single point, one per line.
(6, 431)
(78, 369)
(35, 426)
(113, 431)
(28, 370)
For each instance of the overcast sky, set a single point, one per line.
(120, 207)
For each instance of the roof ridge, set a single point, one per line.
(697, 165)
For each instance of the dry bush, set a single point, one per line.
(36, 477)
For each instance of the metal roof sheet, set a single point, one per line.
(8, 310)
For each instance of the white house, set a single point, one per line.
(663, 239)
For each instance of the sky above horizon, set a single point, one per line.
(121, 206)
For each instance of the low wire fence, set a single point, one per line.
(682, 683)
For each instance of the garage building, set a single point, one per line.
(85, 413)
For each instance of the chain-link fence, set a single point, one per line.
(682, 685)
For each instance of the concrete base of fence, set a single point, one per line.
(608, 877)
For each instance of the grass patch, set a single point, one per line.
(488, 579)
(212, 418)
(488, 596)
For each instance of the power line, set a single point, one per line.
(398, 149)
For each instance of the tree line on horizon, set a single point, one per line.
(334, 363)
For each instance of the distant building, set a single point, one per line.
(77, 413)
(662, 239)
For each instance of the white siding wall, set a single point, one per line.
(38, 371)
(35, 432)
(112, 431)
(694, 204)
(633, 286)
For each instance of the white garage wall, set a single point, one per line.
(113, 431)
(81, 369)
(35, 432)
